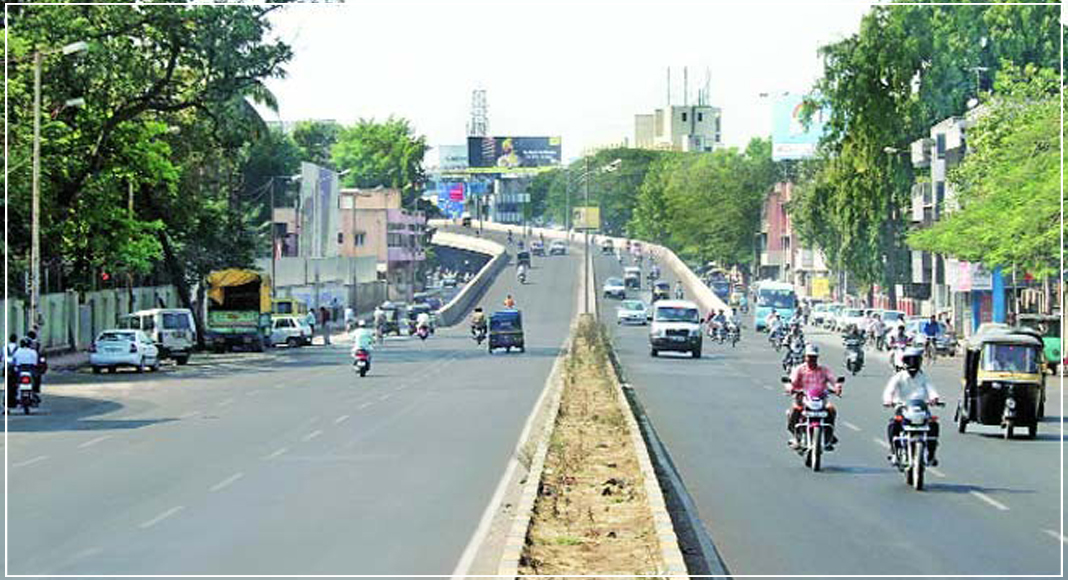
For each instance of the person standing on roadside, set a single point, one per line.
(324, 315)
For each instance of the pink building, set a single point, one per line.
(373, 223)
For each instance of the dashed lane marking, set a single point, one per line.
(384, 397)
(37, 459)
(937, 472)
(161, 517)
(851, 426)
(881, 443)
(991, 501)
(365, 405)
(277, 453)
(226, 402)
(312, 435)
(1056, 536)
(341, 419)
(92, 442)
(226, 482)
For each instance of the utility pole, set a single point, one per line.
(35, 243)
(274, 279)
(586, 230)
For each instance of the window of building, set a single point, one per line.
(340, 238)
(684, 117)
(940, 191)
(940, 145)
(700, 117)
(717, 129)
(358, 239)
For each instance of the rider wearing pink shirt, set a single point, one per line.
(815, 381)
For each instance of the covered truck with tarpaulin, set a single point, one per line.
(238, 310)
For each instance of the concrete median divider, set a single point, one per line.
(456, 309)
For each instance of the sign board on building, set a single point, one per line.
(586, 218)
(790, 138)
(821, 288)
(982, 279)
(452, 157)
(511, 153)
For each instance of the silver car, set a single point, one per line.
(123, 348)
(614, 288)
(632, 312)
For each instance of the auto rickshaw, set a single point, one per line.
(522, 259)
(394, 314)
(661, 290)
(1003, 382)
(1048, 327)
(506, 330)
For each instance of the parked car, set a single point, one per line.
(123, 348)
(291, 331)
(854, 316)
(614, 288)
(632, 312)
(558, 248)
(171, 329)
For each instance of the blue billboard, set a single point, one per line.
(451, 197)
(790, 139)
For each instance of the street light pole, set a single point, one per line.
(35, 243)
(586, 231)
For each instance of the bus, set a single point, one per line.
(777, 296)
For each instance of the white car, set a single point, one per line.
(676, 327)
(558, 248)
(172, 329)
(290, 330)
(854, 316)
(123, 348)
(891, 317)
(614, 288)
(632, 312)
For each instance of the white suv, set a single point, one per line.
(676, 327)
(290, 330)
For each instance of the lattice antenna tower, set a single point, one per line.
(478, 126)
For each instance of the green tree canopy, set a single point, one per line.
(387, 154)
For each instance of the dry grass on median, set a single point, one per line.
(591, 515)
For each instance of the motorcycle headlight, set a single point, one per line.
(1010, 403)
(995, 385)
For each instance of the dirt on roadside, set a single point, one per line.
(591, 515)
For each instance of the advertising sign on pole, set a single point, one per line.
(790, 139)
(511, 153)
(586, 218)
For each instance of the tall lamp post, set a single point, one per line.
(610, 167)
(35, 243)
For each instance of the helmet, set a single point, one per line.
(812, 350)
(361, 323)
(911, 358)
(25, 343)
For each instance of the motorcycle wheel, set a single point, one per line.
(816, 450)
(363, 372)
(962, 421)
(917, 465)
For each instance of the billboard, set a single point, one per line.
(319, 218)
(451, 197)
(452, 157)
(508, 153)
(586, 218)
(790, 139)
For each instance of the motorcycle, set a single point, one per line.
(909, 448)
(734, 333)
(522, 277)
(775, 338)
(26, 397)
(362, 362)
(896, 350)
(794, 354)
(478, 333)
(854, 355)
(422, 332)
(813, 431)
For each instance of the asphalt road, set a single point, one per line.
(284, 462)
(991, 507)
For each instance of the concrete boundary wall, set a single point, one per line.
(456, 310)
(696, 290)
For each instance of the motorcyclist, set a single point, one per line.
(422, 320)
(931, 329)
(876, 328)
(815, 381)
(852, 333)
(24, 359)
(794, 341)
(897, 342)
(509, 236)
(363, 338)
(509, 302)
(521, 272)
(908, 385)
(719, 322)
(678, 290)
(478, 320)
(773, 321)
(35, 344)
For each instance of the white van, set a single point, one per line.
(171, 329)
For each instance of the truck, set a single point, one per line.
(238, 310)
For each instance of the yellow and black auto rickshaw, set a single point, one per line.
(506, 330)
(1003, 382)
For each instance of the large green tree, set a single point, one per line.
(387, 154)
(1007, 186)
(907, 68)
(316, 139)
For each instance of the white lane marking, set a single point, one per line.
(882, 443)
(936, 471)
(277, 453)
(365, 405)
(37, 459)
(226, 482)
(851, 426)
(341, 419)
(226, 402)
(92, 442)
(993, 502)
(188, 415)
(161, 517)
(312, 435)
(1057, 536)
(766, 387)
(383, 397)
(250, 393)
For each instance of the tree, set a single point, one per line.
(316, 139)
(386, 154)
(1007, 186)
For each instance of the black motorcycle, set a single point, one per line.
(854, 355)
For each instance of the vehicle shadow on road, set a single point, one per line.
(856, 469)
(70, 413)
(937, 487)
